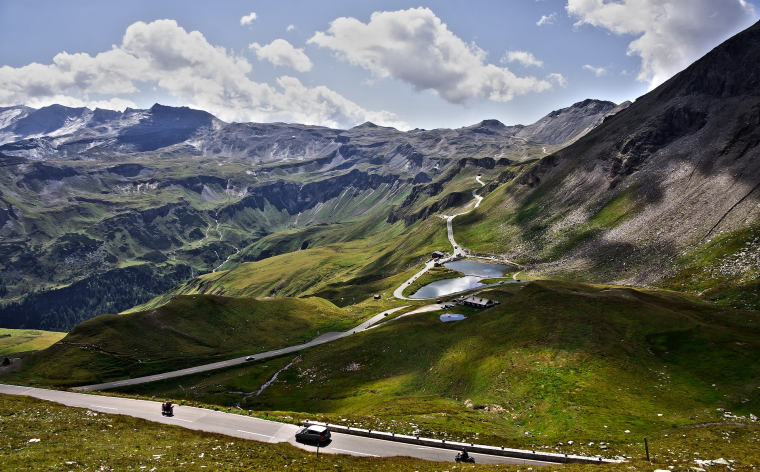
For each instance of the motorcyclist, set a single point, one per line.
(464, 457)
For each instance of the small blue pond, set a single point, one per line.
(474, 271)
(452, 317)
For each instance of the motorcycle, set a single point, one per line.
(167, 409)
(461, 457)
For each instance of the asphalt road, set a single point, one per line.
(458, 251)
(325, 338)
(246, 427)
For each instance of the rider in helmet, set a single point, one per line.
(464, 454)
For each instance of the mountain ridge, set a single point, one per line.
(649, 195)
(81, 131)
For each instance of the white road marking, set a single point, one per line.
(106, 407)
(255, 434)
(353, 452)
(180, 419)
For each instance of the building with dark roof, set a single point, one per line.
(478, 302)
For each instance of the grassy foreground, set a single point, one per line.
(189, 330)
(14, 341)
(598, 365)
(76, 439)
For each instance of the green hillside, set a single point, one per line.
(554, 361)
(13, 341)
(189, 330)
(343, 272)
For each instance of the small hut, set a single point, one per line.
(478, 302)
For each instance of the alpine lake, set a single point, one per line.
(475, 272)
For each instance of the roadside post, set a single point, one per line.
(646, 448)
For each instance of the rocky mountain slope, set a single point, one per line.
(665, 192)
(102, 210)
(572, 122)
(58, 131)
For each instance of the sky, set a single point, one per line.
(434, 64)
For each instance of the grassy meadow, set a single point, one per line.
(189, 330)
(15, 341)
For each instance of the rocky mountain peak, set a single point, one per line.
(569, 123)
(492, 124)
(366, 124)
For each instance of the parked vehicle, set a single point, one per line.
(313, 433)
(167, 409)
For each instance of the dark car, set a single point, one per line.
(250, 358)
(314, 433)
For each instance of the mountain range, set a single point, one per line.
(101, 210)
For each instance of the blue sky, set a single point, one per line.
(426, 64)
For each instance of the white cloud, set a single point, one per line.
(558, 78)
(68, 101)
(547, 20)
(525, 58)
(290, 28)
(415, 47)
(281, 53)
(669, 35)
(247, 19)
(599, 71)
(187, 67)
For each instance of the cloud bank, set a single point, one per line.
(281, 53)
(670, 34)
(415, 47)
(162, 54)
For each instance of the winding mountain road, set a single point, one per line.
(251, 428)
(458, 250)
(325, 338)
